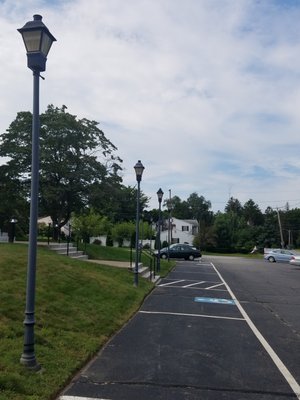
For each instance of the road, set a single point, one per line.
(223, 328)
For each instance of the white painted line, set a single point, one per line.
(294, 385)
(172, 283)
(193, 284)
(194, 288)
(191, 315)
(214, 286)
(79, 398)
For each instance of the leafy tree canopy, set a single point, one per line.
(74, 156)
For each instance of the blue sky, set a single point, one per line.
(206, 93)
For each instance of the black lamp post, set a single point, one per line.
(37, 40)
(160, 194)
(139, 169)
(169, 206)
(13, 222)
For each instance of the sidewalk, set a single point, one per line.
(120, 264)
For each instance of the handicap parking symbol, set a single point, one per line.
(214, 300)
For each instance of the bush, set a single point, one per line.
(97, 241)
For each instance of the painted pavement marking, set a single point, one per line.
(213, 300)
(193, 284)
(214, 286)
(171, 283)
(80, 398)
(191, 315)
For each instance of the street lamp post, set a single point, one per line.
(37, 40)
(13, 222)
(160, 194)
(139, 168)
(169, 206)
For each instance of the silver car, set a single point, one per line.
(295, 260)
(277, 255)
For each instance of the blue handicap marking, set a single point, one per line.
(213, 300)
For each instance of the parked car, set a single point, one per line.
(275, 255)
(295, 260)
(177, 250)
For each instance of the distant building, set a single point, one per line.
(182, 230)
(48, 220)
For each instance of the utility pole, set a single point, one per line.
(280, 228)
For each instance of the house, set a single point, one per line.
(48, 221)
(182, 230)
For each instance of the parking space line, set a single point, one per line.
(214, 286)
(80, 398)
(193, 284)
(294, 385)
(191, 315)
(171, 283)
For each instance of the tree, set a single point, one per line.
(233, 206)
(223, 231)
(252, 213)
(116, 201)
(89, 224)
(180, 209)
(13, 202)
(271, 235)
(75, 155)
(199, 208)
(122, 231)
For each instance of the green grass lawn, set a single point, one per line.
(79, 305)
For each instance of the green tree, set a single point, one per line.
(89, 224)
(223, 231)
(116, 201)
(74, 156)
(252, 213)
(123, 231)
(233, 206)
(13, 202)
(271, 235)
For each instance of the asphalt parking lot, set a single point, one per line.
(191, 339)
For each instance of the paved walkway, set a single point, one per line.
(120, 264)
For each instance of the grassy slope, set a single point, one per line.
(78, 307)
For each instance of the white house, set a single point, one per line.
(47, 220)
(182, 230)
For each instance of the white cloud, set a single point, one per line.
(205, 93)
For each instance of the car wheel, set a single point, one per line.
(271, 259)
(191, 257)
(164, 256)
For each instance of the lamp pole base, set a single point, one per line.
(29, 361)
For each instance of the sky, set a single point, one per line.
(206, 93)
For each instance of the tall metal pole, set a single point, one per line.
(159, 244)
(136, 270)
(280, 229)
(28, 357)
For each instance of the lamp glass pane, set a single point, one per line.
(46, 43)
(139, 168)
(32, 40)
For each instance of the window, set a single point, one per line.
(185, 228)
